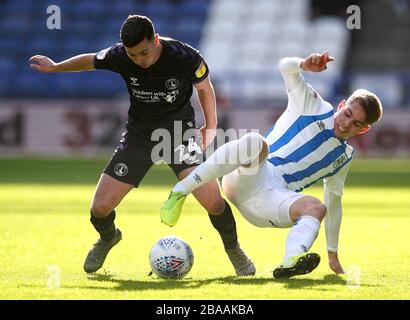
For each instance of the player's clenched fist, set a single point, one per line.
(42, 63)
(316, 62)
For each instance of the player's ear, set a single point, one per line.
(341, 104)
(156, 39)
(364, 129)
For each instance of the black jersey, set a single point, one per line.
(161, 93)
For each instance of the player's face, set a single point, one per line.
(143, 54)
(350, 119)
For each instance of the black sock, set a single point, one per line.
(104, 226)
(226, 226)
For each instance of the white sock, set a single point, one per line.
(224, 160)
(301, 236)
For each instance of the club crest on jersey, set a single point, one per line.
(101, 55)
(339, 161)
(134, 81)
(172, 84)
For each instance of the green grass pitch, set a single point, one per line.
(45, 235)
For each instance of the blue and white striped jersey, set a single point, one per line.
(302, 144)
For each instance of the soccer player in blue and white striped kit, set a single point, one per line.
(264, 175)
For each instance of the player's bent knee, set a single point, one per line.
(101, 209)
(215, 206)
(317, 210)
(308, 206)
(255, 145)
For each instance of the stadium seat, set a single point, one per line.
(218, 56)
(331, 29)
(123, 8)
(265, 10)
(87, 26)
(215, 30)
(227, 9)
(261, 29)
(194, 9)
(294, 31)
(282, 28)
(7, 69)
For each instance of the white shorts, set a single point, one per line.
(261, 197)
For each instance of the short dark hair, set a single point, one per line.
(135, 29)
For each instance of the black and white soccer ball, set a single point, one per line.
(171, 258)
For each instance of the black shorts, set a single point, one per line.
(178, 146)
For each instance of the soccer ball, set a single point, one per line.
(171, 258)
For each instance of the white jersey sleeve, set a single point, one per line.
(333, 190)
(302, 97)
(336, 183)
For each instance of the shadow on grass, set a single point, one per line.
(328, 280)
(160, 284)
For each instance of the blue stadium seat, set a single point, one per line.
(99, 83)
(7, 70)
(15, 24)
(161, 10)
(28, 82)
(194, 8)
(124, 8)
(87, 26)
(91, 8)
(9, 44)
(42, 45)
(76, 45)
(17, 6)
(189, 30)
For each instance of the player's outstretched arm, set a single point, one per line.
(83, 62)
(333, 221)
(316, 62)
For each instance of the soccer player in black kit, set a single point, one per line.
(160, 74)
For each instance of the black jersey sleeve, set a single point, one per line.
(200, 71)
(108, 58)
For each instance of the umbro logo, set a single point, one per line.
(321, 125)
(197, 178)
(273, 223)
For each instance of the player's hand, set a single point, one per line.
(334, 263)
(42, 63)
(207, 136)
(317, 62)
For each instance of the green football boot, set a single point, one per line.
(171, 209)
(297, 265)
